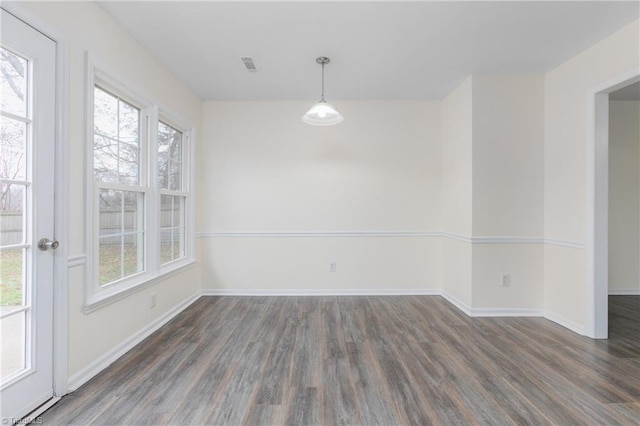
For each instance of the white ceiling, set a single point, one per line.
(379, 50)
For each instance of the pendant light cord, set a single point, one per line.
(322, 95)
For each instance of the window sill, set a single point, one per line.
(99, 301)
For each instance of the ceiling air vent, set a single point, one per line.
(248, 63)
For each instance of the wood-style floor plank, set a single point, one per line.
(402, 360)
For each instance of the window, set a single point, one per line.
(173, 198)
(117, 156)
(139, 226)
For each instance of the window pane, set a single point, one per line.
(105, 113)
(110, 259)
(129, 123)
(169, 157)
(116, 150)
(110, 212)
(11, 277)
(105, 117)
(175, 176)
(178, 211)
(178, 243)
(129, 165)
(133, 211)
(166, 235)
(133, 253)
(166, 211)
(172, 228)
(11, 214)
(122, 234)
(105, 159)
(13, 87)
(13, 350)
(13, 141)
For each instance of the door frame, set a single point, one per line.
(597, 233)
(60, 262)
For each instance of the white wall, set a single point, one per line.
(508, 155)
(264, 171)
(457, 191)
(565, 147)
(86, 27)
(624, 197)
(508, 185)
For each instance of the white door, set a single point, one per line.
(27, 127)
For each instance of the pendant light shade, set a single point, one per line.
(322, 113)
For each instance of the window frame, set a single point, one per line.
(169, 119)
(97, 295)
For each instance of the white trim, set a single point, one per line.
(61, 225)
(318, 234)
(597, 200)
(573, 326)
(456, 302)
(458, 237)
(105, 298)
(564, 243)
(397, 234)
(31, 418)
(328, 292)
(624, 291)
(507, 240)
(77, 260)
(84, 375)
(506, 312)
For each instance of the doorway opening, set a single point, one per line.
(599, 193)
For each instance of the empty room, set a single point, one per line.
(320, 212)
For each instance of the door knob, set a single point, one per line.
(45, 244)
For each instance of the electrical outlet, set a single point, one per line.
(332, 266)
(153, 300)
(505, 280)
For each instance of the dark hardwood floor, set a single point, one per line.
(364, 361)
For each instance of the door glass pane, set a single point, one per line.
(13, 84)
(13, 352)
(11, 277)
(13, 142)
(11, 214)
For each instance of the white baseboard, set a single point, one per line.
(456, 302)
(108, 358)
(315, 292)
(575, 327)
(490, 312)
(506, 312)
(624, 291)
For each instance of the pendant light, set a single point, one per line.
(322, 113)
